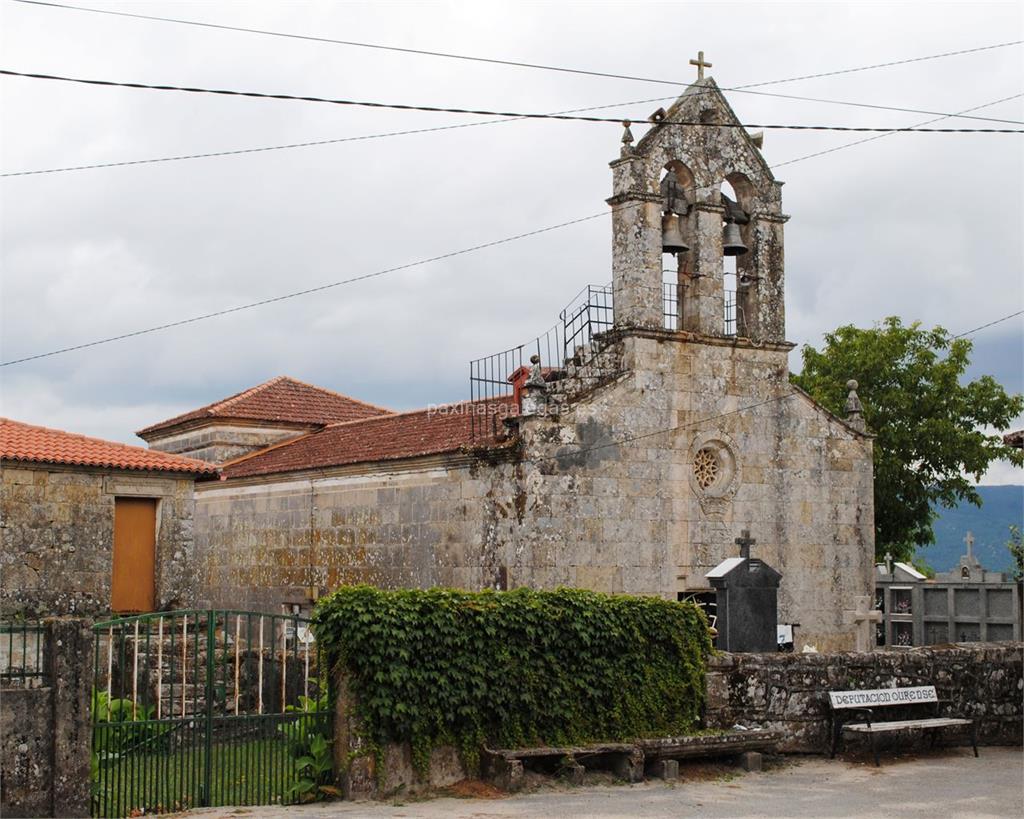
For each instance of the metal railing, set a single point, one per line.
(590, 313)
(23, 655)
(194, 708)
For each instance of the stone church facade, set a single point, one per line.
(629, 466)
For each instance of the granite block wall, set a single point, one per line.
(57, 534)
(789, 692)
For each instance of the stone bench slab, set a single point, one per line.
(709, 745)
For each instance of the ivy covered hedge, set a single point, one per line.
(514, 668)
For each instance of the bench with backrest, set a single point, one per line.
(854, 712)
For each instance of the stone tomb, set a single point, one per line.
(747, 591)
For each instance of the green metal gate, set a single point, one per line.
(213, 707)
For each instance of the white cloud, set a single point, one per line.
(921, 226)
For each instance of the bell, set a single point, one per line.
(732, 241)
(671, 236)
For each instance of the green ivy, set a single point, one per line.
(514, 668)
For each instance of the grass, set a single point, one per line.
(244, 772)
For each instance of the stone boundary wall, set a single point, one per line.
(789, 692)
(46, 733)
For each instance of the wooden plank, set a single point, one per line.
(899, 725)
(880, 697)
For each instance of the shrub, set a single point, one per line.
(514, 668)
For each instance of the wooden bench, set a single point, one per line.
(862, 705)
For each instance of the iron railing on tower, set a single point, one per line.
(590, 314)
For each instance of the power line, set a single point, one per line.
(891, 133)
(364, 137)
(311, 143)
(491, 113)
(331, 285)
(990, 324)
(495, 61)
(306, 292)
(773, 399)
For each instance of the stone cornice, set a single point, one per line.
(683, 336)
(633, 196)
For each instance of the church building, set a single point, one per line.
(627, 457)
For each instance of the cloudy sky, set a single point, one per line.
(923, 226)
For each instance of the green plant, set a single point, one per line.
(930, 422)
(311, 749)
(439, 666)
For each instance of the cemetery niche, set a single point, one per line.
(747, 591)
(965, 605)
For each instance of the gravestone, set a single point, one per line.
(747, 590)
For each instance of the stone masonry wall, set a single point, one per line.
(217, 443)
(570, 509)
(57, 533)
(984, 681)
(45, 733)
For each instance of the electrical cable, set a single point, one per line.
(494, 61)
(311, 143)
(665, 430)
(491, 113)
(375, 274)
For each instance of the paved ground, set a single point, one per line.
(941, 785)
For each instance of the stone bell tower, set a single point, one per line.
(667, 197)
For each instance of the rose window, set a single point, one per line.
(706, 467)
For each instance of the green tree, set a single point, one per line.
(929, 446)
(1016, 547)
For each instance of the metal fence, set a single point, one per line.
(23, 655)
(196, 708)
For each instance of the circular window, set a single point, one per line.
(714, 468)
(706, 467)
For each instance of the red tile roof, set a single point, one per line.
(448, 428)
(29, 443)
(280, 399)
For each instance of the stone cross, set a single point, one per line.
(888, 562)
(701, 65)
(969, 540)
(863, 616)
(745, 541)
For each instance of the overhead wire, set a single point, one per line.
(488, 112)
(510, 63)
(627, 439)
(375, 274)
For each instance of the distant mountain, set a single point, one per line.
(1002, 507)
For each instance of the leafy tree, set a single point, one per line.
(929, 445)
(1016, 547)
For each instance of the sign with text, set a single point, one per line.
(882, 696)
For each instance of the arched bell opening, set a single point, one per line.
(678, 188)
(740, 250)
(735, 246)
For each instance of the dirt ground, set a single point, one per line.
(945, 783)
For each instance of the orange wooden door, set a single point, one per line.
(133, 585)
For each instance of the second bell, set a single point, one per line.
(732, 240)
(672, 235)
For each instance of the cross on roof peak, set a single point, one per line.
(969, 540)
(745, 541)
(701, 65)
